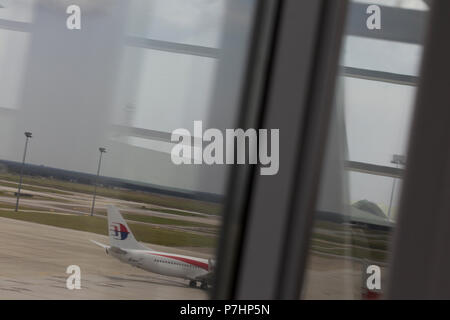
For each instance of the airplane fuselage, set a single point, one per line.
(172, 265)
(124, 247)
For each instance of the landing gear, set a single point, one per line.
(192, 283)
(203, 284)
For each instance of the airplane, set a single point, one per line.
(127, 249)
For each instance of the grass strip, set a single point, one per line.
(160, 220)
(128, 195)
(143, 233)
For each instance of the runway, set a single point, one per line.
(34, 259)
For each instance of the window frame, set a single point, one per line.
(420, 259)
(298, 72)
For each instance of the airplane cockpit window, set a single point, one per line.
(104, 185)
(365, 160)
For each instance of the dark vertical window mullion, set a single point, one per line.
(420, 257)
(288, 104)
(316, 122)
(239, 186)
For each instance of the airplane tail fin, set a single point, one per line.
(120, 234)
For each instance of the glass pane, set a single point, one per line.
(89, 99)
(16, 11)
(365, 159)
(198, 22)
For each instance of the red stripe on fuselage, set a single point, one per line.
(186, 260)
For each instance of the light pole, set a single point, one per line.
(397, 160)
(102, 151)
(28, 135)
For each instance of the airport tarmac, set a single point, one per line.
(34, 259)
(80, 203)
(335, 278)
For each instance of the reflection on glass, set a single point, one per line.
(16, 11)
(198, 22)
(101, 103)
(365, 159)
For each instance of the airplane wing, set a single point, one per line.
(109, 248)
(104, 246)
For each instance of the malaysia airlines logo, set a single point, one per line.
(120, 232)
